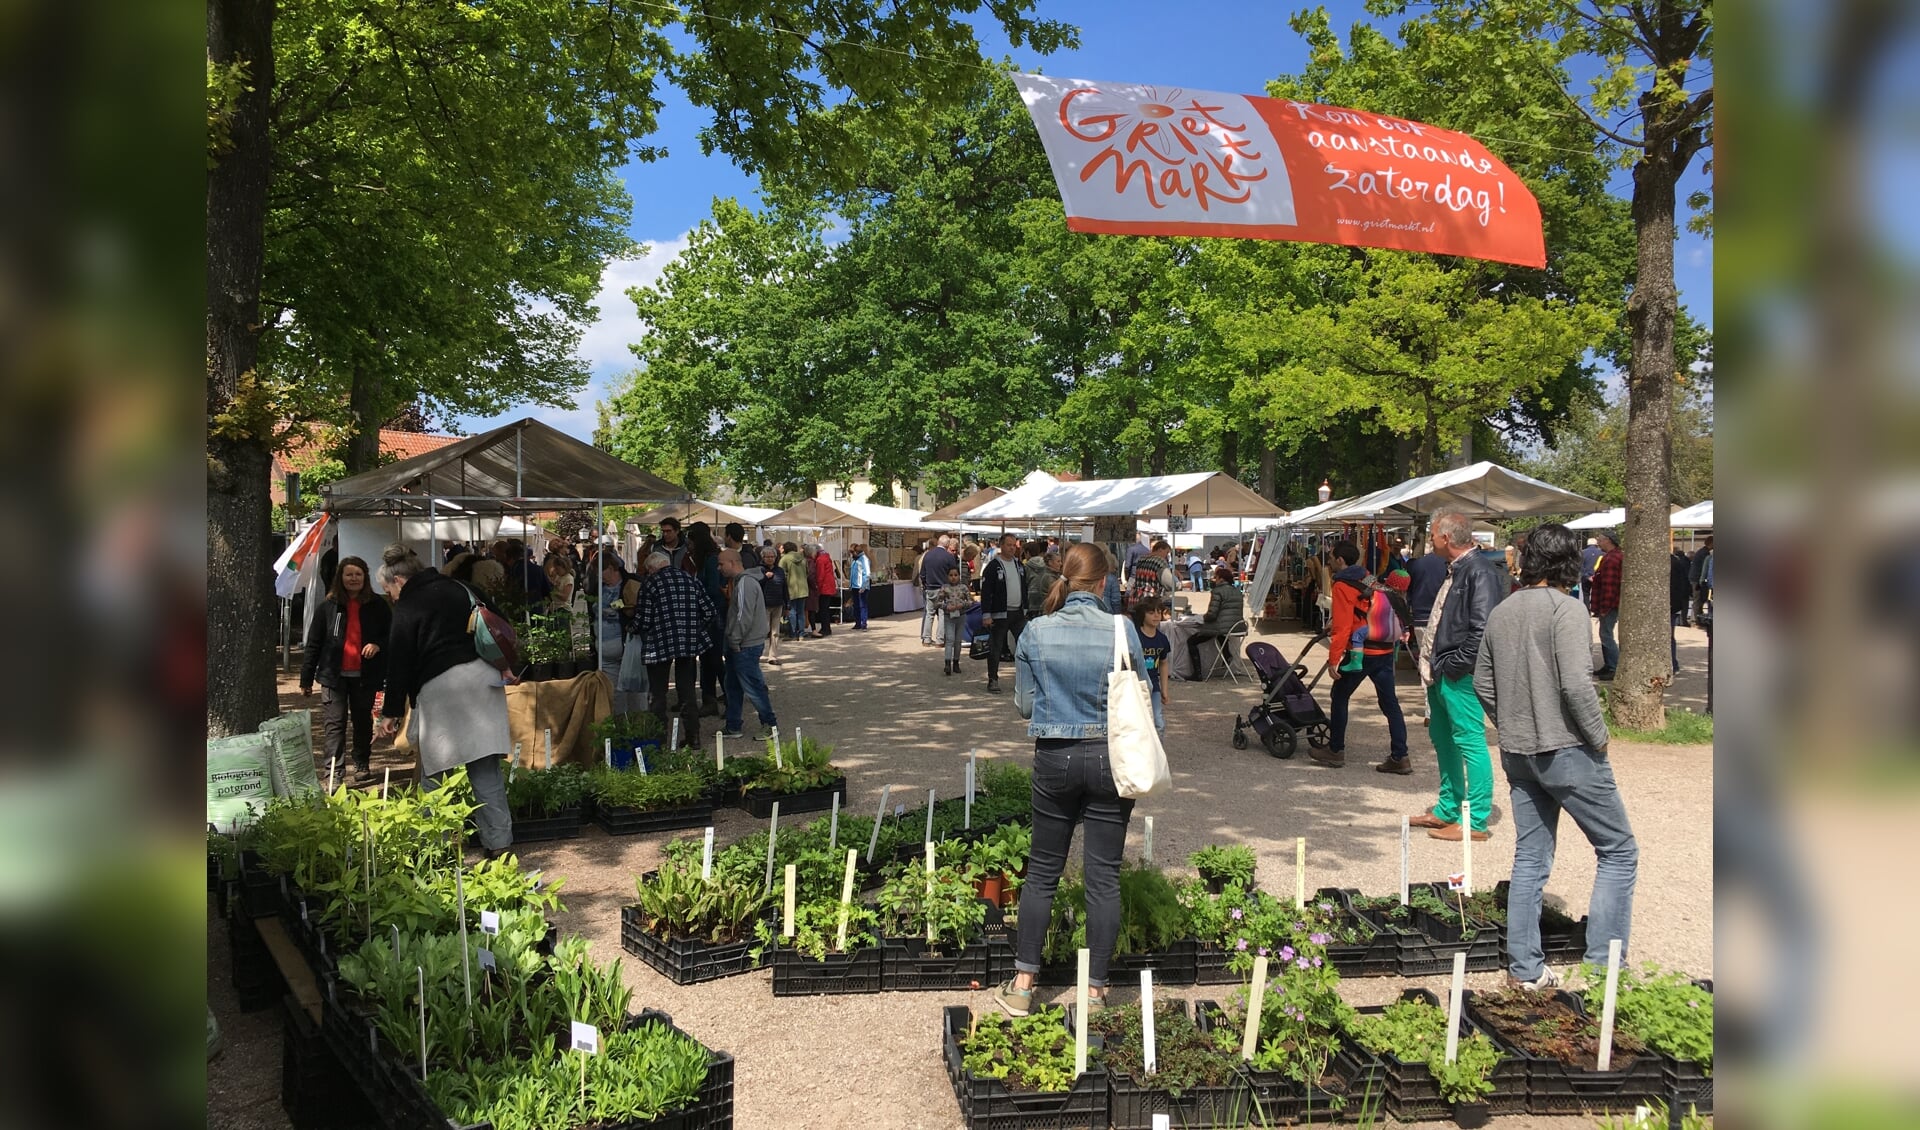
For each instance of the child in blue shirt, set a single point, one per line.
(1148, 614)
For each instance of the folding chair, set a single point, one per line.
(1221, 656)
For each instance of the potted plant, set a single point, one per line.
(932, 929)
(1300, 1035)
(691, 929)
(1000, 862)
(633, 735)
(1155, 929)
(1670, 1014)
(546, 803)
(800, 775)
(1409, 1039)
(627, 802)
(1220, 864)
(1019, 1071)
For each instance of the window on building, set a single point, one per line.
(913, 498)
(841, 493)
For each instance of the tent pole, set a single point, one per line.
(517, 486)
(600, 581)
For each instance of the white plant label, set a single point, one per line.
(516, 758)
(586, 1038)
(720, 752)
(385, 781)
(1457, 881)
(880, 814)
(930, 869)
(1466, 836)
(706, 856)
(1080, 998)
(792, 877)
(777, 761)
(833, 825)
(1250, 1041)
(1163, 1122)
(1607, 1007)
(673, 739)
(1454, 999)
(929, 836)
(1406, 846)
(1300, 872)
(1147, 1042)
(773, 835)
(489, 922)
(1149, 832)
(422, 973)
(846, 899)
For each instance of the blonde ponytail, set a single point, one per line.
(1083, 568)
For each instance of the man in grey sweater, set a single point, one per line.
(1532, 676)
(746, 636)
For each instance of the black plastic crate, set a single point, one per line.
(257, 979)
(759, 802)
(1562, 944)
(1379, 956)
(680, 960)
(1687, 1089)
(908, 966)
(838, 974)
(1409, 1090)
(1558, 1088)
(1175, 965)
(1431, 953)
(562, 825)
(256, 891)
(1134, 1104)
(989, 1104)
(621, 820)
(315, 1090)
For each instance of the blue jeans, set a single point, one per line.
(859, 597)
(797, 617)
(745, 681)
(950, 632)
(493, 820)
(1581, 782)
(1609, 646)
(1378, 668)
(1073, 784)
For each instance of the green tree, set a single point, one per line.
(1653, 100)
(802, 89)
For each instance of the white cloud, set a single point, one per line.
(603, 346)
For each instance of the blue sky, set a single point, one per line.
(1121, 40)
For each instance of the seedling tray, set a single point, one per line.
(1175, 965)
(257, 980)
(257, 892)
(680, 960)
(1410, 1091)
(1134, 1104)
(1554, 1087)
(838, 974)
(759, 802)
(562, 825)
(1281, 1101)
(908, 966)
(989, 1104)
(621, 820)
(1562, 944)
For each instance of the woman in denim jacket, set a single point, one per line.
(1060, 685)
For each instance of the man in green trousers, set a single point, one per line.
(1456, 722)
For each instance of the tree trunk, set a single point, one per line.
(1230, 453)
(1269, 468)
(240, 600)
(1464, 456)
(1402, 457)
(1086, 463)
(364, 417)
(1645, 667)
(1136, 465)
(1158, 465)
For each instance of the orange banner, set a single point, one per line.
(1143, 160)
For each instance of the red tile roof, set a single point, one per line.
(393, 442)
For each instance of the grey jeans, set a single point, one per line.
(1073, 784)
(1579, 781)
(493, 820)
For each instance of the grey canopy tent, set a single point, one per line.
(523, 467)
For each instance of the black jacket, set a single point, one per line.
(1679, 583)
(1479, 583)
(993, 589)
(327, 636)
(428, 638)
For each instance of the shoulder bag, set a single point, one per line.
(1134, 752)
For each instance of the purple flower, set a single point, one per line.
(1299, 926)
(1317, 939)
(1236, 915)
(1327, 906)
(1263, 953)
(1286, 953)
(1317, 963)
(1241, 945)
(1303, 963)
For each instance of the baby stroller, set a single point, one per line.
(1287, 707)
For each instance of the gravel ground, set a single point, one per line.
(879, 698)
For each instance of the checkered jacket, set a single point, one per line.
(676, 617)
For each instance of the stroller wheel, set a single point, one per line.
(1281, 739)
(1239, 738)
(1317, 741)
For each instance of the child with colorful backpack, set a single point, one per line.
(1370, 622)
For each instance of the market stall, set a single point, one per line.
(463, 492)
(714, 514)
(890, 534)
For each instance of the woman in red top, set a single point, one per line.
(344, 654)
(824, 586)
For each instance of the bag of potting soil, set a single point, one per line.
(293, 771)
(239, 780)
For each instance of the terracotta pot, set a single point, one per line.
(991, 888)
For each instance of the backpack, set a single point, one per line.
(1146, 579)
(1384, 615)
(492, 636)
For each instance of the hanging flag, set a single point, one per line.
(1147, 160)
(301, 560)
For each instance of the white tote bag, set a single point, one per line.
(1134, 753)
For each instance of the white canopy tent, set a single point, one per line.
(1480, 490)
(1699, 516)
(1202, 494)
(712, 513)
(1605, 520)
